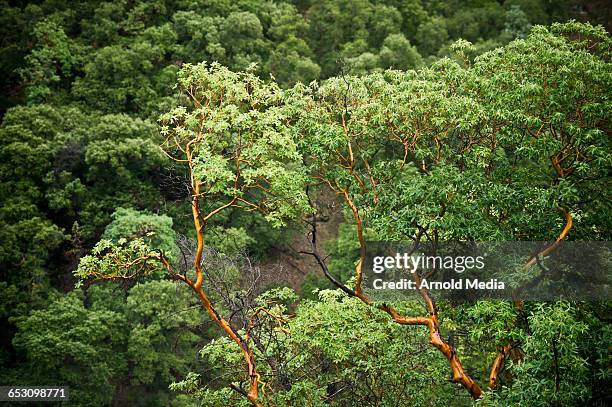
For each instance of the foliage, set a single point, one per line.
(501, 142)
(94, 344)
(338, 352)
(67, 343)
(237, 146)
(132, 224)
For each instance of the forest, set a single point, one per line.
(192, 191)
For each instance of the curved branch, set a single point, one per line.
(459, 374)
(362, 247)
(500, 359)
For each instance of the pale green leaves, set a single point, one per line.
(155, 230)
(214, 171)
(552, 370)
(235, 138)
(124, 260)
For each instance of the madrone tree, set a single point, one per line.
(230, 134)
(514, 146)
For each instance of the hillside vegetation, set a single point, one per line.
(164, 162)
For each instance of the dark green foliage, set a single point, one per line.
(66, 343)
(104, 343)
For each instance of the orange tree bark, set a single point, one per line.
(431, 321)
(500, 359)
